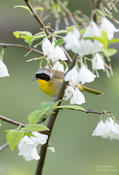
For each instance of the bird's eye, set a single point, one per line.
(43, 76)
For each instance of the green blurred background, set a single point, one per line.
(77, 152)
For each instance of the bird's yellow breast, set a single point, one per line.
(47, 87)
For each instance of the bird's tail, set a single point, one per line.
(90, 90)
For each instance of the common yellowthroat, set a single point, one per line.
(50, 82)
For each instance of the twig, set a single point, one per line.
(50, 124)
(98, 4)
(11, 121)
(4, 146)
(97, 7)
(36, 16)
(21, 46)
(89, 111)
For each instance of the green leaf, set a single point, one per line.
(71, 107)
(28, 134)
(103, 39)
(47, 105)
(104, 35)
(108, 52)
(22, 34)
(36, 127)
(13, 137)
(45, 111)
(59, 42)
(115, 40)
(34, 116)
(24, 7)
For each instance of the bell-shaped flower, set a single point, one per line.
(68, 92)
(58, 66)
(3, 69)
(92, 30)
(72, 76)
(74, 95)
(77, 97)
(109, 129)
(72, 40)
(51, 52)
(108, 27)
(27, 149)
(85, 75)
(100, 130)
(112, 128)
(39, 138)
(88, 47)
(98, 62)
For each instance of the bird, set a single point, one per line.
(50, 81)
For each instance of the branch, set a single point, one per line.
(4, 146)
(36, 16)
(21, 46)
(51, 122)
(11, 121)
(98, 4)
(98, 7)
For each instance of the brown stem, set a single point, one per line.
(3, 118)
(21, 46)
(50, 124)
(97, 7)
(36, 16)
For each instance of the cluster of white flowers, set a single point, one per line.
(107, 129)
(27, 145)
(74, 77)
(77, 43)
(3, 69)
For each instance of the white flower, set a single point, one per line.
(112, 128)
(53, 53)
(72, 40)
(80, 46)
(39, 138)
(47, 47)
(3, 69)
(58, 66)
(77, 98)
(85, 75)
(109, 129)
(68, 92)
(72, 76)
(108, 27)
(92, 30)
(27, 149)
(100, 130)
(88, 47)
(97, 47)
(98, 62)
